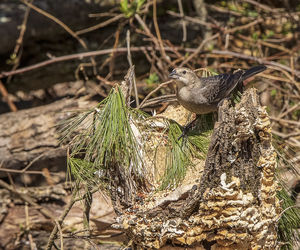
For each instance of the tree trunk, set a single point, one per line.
(235, 205)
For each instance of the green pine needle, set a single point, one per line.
(289, 222)
(181, 152)
(104, 141)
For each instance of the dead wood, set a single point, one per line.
(16, 225)
(234, 205)
(30, 138)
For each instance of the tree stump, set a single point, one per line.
(234, 206)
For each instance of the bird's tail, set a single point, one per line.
(253, 71)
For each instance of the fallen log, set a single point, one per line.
(30, 138)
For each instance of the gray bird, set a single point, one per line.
(202, 95)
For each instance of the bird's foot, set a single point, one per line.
(183, 134)
(186, 128)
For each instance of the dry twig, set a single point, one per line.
(100, 25)
(179, 2)
(63, 25)
(29, 200)
(132, 77)
(141, 48)
(5, 95)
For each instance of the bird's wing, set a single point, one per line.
(220, 86)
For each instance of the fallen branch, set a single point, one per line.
(28, 199)
(138, 49)
(31, 137)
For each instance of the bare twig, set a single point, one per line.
(17, 53)
(25, 172)
(157, 31)
(22, 30)
(61, 218)
(33, 161)
(105, 14)
(262, 6)
(137, 49)
(296, 106)
(61, 235)
(276, 78)
(26, 198)
(5, 95)
(268, 44)
(153, 91)
(160, 99)
(60, 59)
(179, 2)
(201, 46)
(287, 136)
(279, 216)
(32, 244)
(113, 55)
(192, 19)
(256, 59)
(245, 26)
(64, 26)
(133, 79)
(157, 41)
(286, 121)
(88, 199)
(146, 29)
(100, 25)
(115, 17)
(232, 30)
(223, 10)
(151, 60)
(107, 82)
(198, 50)
(60, 23)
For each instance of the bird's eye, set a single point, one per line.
(184, 72)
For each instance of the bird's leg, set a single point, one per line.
(187, 127)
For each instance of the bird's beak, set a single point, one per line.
(173, 74)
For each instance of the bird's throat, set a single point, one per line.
(183, 93)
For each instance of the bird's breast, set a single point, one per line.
(194, 101)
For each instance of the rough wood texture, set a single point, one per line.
(235, 204)
(31, 136)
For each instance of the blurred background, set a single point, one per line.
(61, 55)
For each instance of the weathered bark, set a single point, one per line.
(32, 136)
(235, 204)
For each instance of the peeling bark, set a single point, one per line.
(235, 205)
